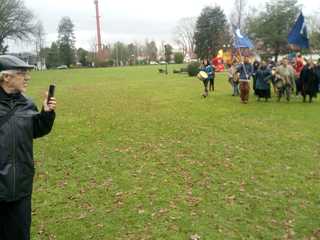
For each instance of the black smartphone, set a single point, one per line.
(51, 92)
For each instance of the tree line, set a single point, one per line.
(18, 23)
(268, 28)
(199, 37)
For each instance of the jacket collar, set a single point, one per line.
(14, 96)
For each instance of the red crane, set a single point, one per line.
(98, 28)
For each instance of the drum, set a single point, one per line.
(202, 75)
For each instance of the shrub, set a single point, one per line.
(178, 58)
(108, 63)
(193, 69)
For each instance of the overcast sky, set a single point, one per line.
(127, 20)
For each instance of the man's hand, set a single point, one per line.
(49, 106)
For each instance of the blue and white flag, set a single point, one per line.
(299, 34)
(241, 41)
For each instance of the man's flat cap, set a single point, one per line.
(8, 62)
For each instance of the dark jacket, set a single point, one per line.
(317, 71)
(263, 78)
(210, 70)
(309, 81)
(16, 144)
(245, 70)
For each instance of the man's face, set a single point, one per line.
(18, 80)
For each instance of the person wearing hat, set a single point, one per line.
(20, 123)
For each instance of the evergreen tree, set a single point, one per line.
(167, 52)
(178, 58)
(52, 55)
(272, 26)
(66, 41)
(212, 32)
(83, 56)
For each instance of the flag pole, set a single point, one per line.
(241, 59)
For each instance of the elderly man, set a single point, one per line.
(20, 123)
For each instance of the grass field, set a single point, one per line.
(138, 155)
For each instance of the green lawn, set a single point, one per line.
(139, 155)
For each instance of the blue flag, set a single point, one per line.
(299, 34)
(241, 41)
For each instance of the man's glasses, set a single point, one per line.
(21, 73)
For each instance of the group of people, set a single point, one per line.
(300, 76)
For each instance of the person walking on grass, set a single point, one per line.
(20, 123)
(255, 65)
(309, 81)
(298, 66)
(263, 79)
(285, 80)
(233, 78)
(207, 67)
(245, 70)
(211, 70)
(317, 71)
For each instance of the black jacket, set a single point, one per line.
(16, 144)
(309, 81)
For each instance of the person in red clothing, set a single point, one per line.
(298, 66)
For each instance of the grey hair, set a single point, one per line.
(2, 75)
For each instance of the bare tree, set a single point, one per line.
(313, 23)
(39, 39)
(15, 22)
(92, 49)
(238, 14)
(184, 34)
(150, 50)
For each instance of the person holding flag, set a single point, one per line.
(298, 38)
(298, 35)
(245, 68)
